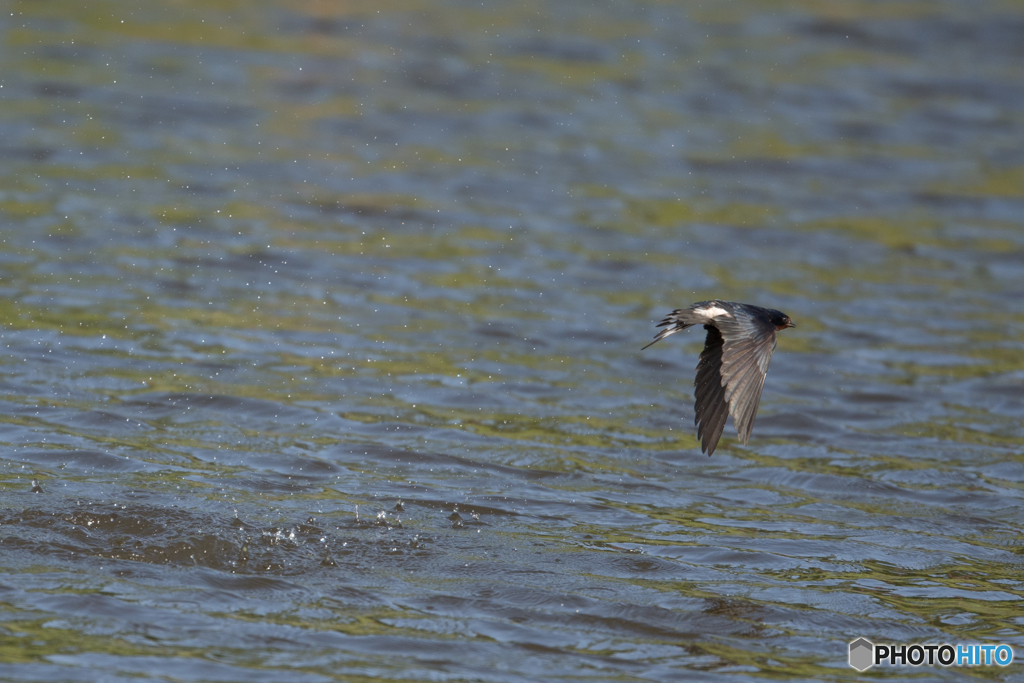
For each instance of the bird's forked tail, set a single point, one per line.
(678, 322)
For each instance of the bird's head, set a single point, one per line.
(781, 320)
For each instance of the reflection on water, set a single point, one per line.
(321, 331)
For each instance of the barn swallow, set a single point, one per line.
(733, 364)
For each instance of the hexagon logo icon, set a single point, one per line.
(862, 654)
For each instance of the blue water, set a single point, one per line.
(320, 330)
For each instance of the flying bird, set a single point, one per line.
(733, 364)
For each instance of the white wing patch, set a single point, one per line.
(712, 311)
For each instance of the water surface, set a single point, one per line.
(321, 329)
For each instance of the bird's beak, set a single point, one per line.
(791, 324)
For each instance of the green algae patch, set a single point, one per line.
(669, 213)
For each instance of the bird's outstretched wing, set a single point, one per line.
(748, 344)
(711, 407)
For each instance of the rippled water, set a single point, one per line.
(321, 329)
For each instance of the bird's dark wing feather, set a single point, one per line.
(748, 344)
(712, 408)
